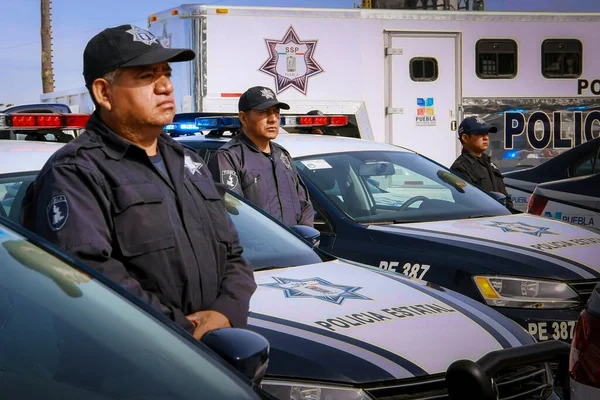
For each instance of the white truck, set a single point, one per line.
(404, 77)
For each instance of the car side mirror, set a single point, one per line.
(246, 351)
(309, 233)
(500, 197)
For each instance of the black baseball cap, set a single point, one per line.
(475, 126)
(259, 98)
(126, 46)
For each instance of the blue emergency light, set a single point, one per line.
(510, 154)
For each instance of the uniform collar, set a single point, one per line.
(113, 145)
(248, 142)
(472, 159)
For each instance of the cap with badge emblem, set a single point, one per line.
(475, 126)
(126, 46)
(259, 98)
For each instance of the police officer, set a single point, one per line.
(473, 163)
(131, 202)
(259, 169)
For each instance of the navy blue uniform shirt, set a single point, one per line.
(168, 241)
(270, 181)
(482, 172)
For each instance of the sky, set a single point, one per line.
(74, 22)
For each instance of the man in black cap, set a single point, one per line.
(473, 163)
(259, 169)
(131, 202)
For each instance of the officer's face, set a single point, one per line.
(143, 96)
(261, 123)
(476, 143)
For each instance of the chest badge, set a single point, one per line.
(286, 161)
(192, 166)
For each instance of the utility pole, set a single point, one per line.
(46, 34)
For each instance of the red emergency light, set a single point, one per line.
(43, 121)
(314, 120)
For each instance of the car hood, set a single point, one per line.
(343, 322)
(572, 248)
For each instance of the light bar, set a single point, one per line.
(217, 122)
(314, 120)
(213, 123)
(42, 121)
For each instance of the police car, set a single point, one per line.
(575, 200)
(389, 207)
(581, 160)
(337, 329)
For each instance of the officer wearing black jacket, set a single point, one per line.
(473, 163)
(131, 202)
(259, 169)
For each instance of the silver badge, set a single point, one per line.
(191, 165)
(286, 161)
(142, 35)
(267, 94)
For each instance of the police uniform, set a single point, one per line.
(270, 181)
(168, 239)
(480, 171)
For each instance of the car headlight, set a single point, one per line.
(500, 291)
(286, 390)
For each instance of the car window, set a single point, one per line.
(12, 190)
(393, 186)
(65, 335)
(265, 242)
(590, 164)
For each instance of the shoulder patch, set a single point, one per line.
(57, 212)
(229, 177)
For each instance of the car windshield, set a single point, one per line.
(64, 334)
(395, 187)
(266, 243)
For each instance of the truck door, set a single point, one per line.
(423, 91)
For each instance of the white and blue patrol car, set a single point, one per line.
(341, 330)
(389, 207)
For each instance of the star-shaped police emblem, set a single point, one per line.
(266, 93)
(521, 227)
(316, 288)
(191, 165)
(291, 61)
(142, 35)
